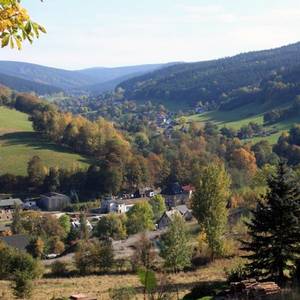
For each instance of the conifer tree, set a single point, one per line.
(275, 228)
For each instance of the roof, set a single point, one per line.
(10, 202)
(188, 188)
(52, 194)
(171, 213)
(182, 209)
(18, 241)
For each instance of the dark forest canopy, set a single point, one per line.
(270, 75)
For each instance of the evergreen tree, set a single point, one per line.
(275, 228)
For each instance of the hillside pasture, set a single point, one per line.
(239, 117)
(19, 143)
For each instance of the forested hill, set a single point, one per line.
(93, 80)
(23, 85)
(219, 81)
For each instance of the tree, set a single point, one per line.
(65, 223)
(22, 285)
(175, 246)
(275, 228)
(158, 206)
(16, 25)
(94, 255)
(111, 226)
(140, 218)
(84, 231)
(209, 204)
(145, 253)
(16, 225)
(84, 259)
(36, 172)
(104, 255)
(51, 181)
(36, 247)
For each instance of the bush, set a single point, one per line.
(59, 268)
(22, 285)
(229, 248)
(94, 255)
(205, 291)
(237, 273)
(122, 293)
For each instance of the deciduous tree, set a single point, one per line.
(209, 204)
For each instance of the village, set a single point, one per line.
(177, 202)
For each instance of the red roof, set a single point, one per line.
(188, 188)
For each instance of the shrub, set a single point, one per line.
(229, 248)
(59, 268)
(22, 286)
(237, 273)
(122, 293)
(205, 291)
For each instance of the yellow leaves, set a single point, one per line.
(16, 25)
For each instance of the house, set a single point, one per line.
(167, 218)
(18, 241)
(7, 207)
(174, 195)
(185, 212)
(5, 215)
(53, 201)
(188, 189)
(10, 204)
(110, 205)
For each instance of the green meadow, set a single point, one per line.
(242, 116)
(19, 143)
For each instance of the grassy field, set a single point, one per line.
(19, 143)
(98, 286)
(242, 116)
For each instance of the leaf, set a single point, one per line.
(28, 27)
(19, 43)
(42, 29)
(5, 41)
(11, 43)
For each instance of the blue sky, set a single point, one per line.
(128, 32)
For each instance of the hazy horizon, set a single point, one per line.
(116, 34)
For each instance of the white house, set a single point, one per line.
(109, 205)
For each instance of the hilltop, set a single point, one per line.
(262, 77)
(27, 77)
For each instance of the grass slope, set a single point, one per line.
(242, 116)
(18, 143)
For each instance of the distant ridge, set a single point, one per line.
(217, 81)
(91, 80)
